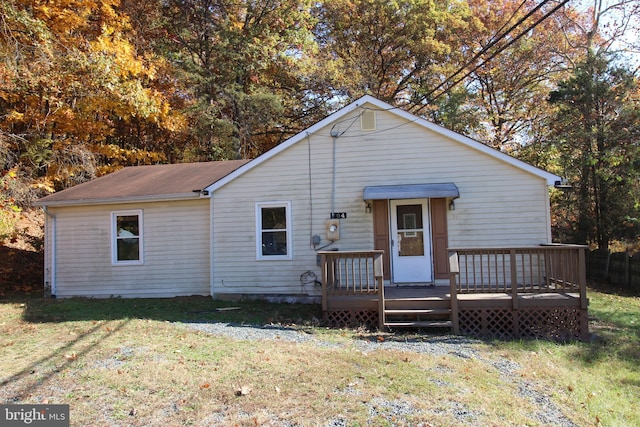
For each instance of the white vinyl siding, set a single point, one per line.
(176, 251)
(499, 204)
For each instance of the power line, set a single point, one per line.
(488, 46)
(494, 54)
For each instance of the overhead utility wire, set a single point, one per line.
(494, 54)
(515, 12)
(494, 39)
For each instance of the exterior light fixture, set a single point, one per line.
(563, 185)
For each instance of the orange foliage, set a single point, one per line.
(76, 79)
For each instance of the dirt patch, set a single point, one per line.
(22, 257)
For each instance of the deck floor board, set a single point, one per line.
(400, 294)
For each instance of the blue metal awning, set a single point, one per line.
(411, 191)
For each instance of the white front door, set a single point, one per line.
(410, 241)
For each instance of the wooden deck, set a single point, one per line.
(547, 298)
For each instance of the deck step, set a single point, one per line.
(416, 305)
(419, 311)
(421, 324)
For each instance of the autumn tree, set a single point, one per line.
(519, 50)
(597, 128)
(393, 50)
(249, 69)
(76, 98)
(607, 27)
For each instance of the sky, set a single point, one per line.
(631, 36)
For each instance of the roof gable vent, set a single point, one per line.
(368, 120)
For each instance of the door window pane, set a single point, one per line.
(410, 243)
(410, 233)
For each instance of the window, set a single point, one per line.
(273, 225)
(126, 237)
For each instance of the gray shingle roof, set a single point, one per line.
(145, 182)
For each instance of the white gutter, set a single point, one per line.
(53, 249)
(120, 200)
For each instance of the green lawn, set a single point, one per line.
(133, 362)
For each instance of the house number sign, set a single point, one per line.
(338, 215)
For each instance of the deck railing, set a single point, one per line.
(353, 285)
(539, 269)
(351, 273)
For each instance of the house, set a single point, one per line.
(368, 177)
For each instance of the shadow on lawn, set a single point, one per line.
(179, 309)
(58, 354)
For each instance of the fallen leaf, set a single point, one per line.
(570, 388)
(380, 339)
(205, 385)
(277, 389)
(72, 356)
(133, 412)
(243, 391)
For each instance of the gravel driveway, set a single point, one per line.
(547, 413)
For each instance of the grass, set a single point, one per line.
(598, 381)
(131, 362)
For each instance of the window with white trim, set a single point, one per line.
(273, 229)
(126, 238)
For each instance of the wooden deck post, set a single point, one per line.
(323, 263)
(582, 278)
(584, 302)
(514, 278)
(454, 270)
(381, 315)
(514, 292)
(378, 273)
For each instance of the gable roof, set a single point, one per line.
(550, 178)
(145, 183)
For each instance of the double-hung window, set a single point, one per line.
(126, 238)
(273, 225)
